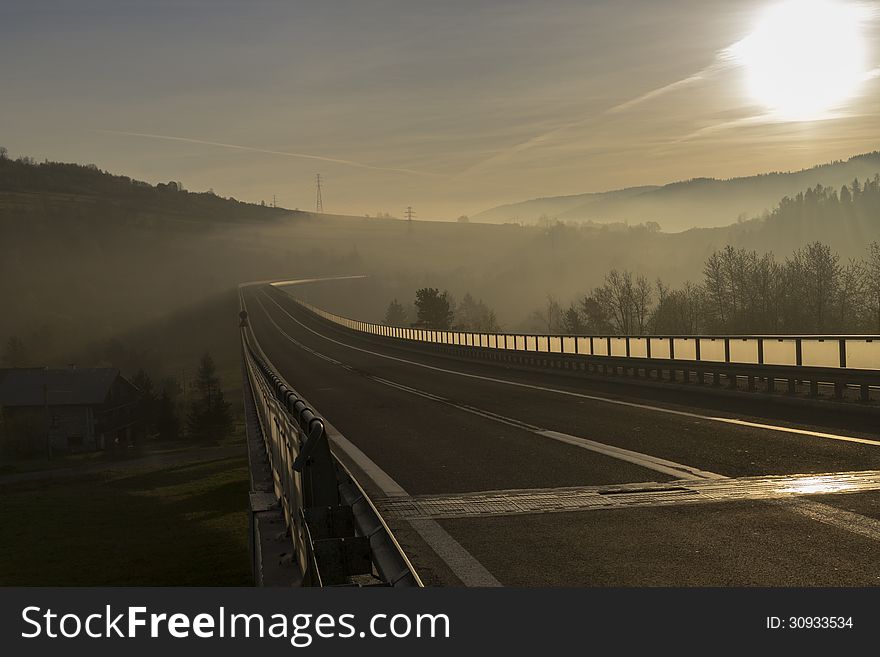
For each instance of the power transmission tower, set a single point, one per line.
(319, 202)
(409, 213)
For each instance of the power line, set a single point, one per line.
(409, 213)
(319, 202)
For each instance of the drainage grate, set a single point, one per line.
(558, 500)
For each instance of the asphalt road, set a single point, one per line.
(600, 469)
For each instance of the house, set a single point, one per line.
(70, 409)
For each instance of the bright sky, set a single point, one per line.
(451, 107)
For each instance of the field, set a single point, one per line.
(166, 525)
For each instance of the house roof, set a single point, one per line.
(34, 386)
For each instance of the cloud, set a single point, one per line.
(320, 158)
(726, 59)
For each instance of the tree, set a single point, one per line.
(171, 387)
(210, 417)
(16, 354)
(678, 312)
(433, 309)
(147, 402)
(872, 280)
(814, 271)
(642, 299)
(395, 315)
(618, 297)
(167, 421)
(716, 288)
(572, 321)
(851, 290)
(4, 153)
(473, 315)
(549, 317)
(595, 315)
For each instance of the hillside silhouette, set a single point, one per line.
(701, 202)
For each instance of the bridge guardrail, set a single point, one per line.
(839, 360)
(337, 535)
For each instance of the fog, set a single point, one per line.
(98, 269)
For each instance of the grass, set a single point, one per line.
(63, 460)
(183, 525)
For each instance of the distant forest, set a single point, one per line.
(743, 291)
(813, 290)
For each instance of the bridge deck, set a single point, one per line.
(421, 426)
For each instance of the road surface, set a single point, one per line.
(491, 476)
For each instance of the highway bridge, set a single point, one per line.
(480, 462)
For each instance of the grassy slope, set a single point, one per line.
(178, 525)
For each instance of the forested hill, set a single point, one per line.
(27, 187)
(700, 203)
(846, 218)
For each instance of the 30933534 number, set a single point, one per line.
(810, 623)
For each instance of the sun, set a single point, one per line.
(805, 58)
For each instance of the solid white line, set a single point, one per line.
(672, 468)
(462, 563)
(817, 511)
(831, 515)
(607, 400)
(647, 461)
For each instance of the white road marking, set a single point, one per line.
(830, 515)
(851, 522)
(671, 468)
(580, 395)
(465, 566)
(644, 460)
(462, 563)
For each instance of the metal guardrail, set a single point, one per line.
(337, 535)
(842, 351)
(814, 360)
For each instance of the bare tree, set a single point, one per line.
(872, 281)
(851, 291)
(549, 316)
(642, 299)
(815, 273)
(716, 288)
(617, 295)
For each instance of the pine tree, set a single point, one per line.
(167, 422)
(210, 416)
(16, 354)
(395, 315)
(147, 402)
(434, 309)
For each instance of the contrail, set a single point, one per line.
(321, 158)
(720, 63)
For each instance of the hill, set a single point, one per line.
(700, 203)
(85, 264)
(26, 185)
